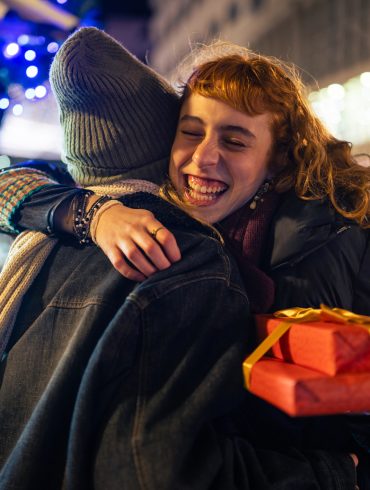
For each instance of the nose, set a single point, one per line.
(206, 153)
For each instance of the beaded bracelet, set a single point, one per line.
(95, 219)
(82, 218)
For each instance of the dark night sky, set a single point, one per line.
(127, 7)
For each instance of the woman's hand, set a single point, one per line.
(134, 235)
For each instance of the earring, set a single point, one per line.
(260, 193)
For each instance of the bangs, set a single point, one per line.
(233, 81)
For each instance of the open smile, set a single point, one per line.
(203, 192)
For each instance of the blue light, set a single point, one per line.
(18, 109)
(30, 93)
(32, 71)
(62, 1)
(40, 91)
(30, 55)
(4, 103)
(52, 47)
(11, 50)
(23, 39)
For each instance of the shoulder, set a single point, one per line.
(300, 226)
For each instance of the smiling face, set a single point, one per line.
(220, 156)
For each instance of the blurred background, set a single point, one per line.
(328, 39)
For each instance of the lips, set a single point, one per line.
(203, 192)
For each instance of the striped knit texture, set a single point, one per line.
(16, 185)
(26, 257)
(118, 116)
(28, 254)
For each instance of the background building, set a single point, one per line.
(328, 39)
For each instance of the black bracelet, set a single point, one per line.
(82, 218)
(51, 228)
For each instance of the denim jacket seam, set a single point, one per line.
(141, 300)
(71, 304)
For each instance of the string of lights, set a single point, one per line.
(27, 46)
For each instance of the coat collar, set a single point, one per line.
(299, 226)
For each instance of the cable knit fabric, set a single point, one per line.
(16, 185)
(28, 254)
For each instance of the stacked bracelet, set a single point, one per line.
(95, 219)
(82, 218)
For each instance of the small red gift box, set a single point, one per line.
(299, 391)
(322, 345)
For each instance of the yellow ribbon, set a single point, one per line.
(298, 315)
(324, 313)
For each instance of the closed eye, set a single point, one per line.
(234, 143)
(191, 133)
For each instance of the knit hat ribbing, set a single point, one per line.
(118, 116)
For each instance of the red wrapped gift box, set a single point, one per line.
(299, 391)
(325, 346)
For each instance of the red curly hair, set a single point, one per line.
(306, 156)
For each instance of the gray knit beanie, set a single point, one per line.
(118, 116)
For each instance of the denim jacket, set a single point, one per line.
(111, 384)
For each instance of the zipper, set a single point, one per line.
(301, 257)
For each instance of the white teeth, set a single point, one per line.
(203, 188)
(201, 197)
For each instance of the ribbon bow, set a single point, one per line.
(324, 313)
(300, 315)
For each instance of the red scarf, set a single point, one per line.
(245, 232)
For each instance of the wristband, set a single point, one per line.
(95, 219)
(82, 218)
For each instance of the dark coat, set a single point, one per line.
(314, 256)
(110, 384)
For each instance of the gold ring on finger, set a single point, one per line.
(154, 232)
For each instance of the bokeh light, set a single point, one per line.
(23, 39)
(12, 49)
(365, 79)
(52, 47)
(4, 103)
(30, 93)
(18, 109)
(40, 91)
(30, 55)
(32, 71)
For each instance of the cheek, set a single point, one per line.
(173, 171)
(179, 157)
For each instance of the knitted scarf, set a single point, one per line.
(245, 232)
(28, 253)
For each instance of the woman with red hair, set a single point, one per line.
(252, 160)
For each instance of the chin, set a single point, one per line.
(207, 215)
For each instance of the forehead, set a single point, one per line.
(210, 111)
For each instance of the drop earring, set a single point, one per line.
(260, 193)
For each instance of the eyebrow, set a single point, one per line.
(239, 129)
(229, 127)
